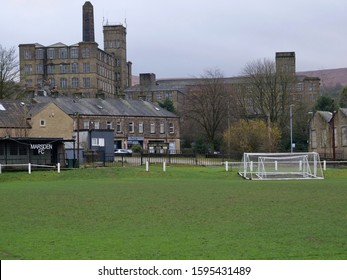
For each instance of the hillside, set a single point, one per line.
(329, 77)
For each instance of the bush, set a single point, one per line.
(136, 149)
(253, 136)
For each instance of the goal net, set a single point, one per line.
(281, 166)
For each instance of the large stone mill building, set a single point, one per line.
(79, 69)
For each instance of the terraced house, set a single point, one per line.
(131, 122)
(55, 125)
(328, 134)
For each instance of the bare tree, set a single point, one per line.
(9, 70)
(207, 105)
(268, 89)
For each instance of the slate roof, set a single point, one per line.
(325, 115)
(12, 114)
(107, 107)
(36, 108)
(344, 111)
(180, 85)
(58, 45)
(157, 87)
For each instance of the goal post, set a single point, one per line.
(281, 166)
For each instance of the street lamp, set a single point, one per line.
(77, 114)
(291, 127)
(309, 140)
(333, 138)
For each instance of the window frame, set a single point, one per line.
(131, 127)
(119, 127)
(63, 83)
(74, 52)
(108, 124)
(75, 82)
(141, 127)
(85, 52)
(344, 136)
(42, 123)
(171, 128)
(86, 124)
(63, 53)
(152, 128)
(162, 128)
(51, 53)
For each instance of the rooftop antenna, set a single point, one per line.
(125, 20)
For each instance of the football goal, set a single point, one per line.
(281, 166)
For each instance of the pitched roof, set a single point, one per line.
(344, 111)
(36, 108)
(325, 115)
(58, 45)
(178, 84)
(12, 114)
(107, 107)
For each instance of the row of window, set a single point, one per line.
(53, 53)
(153, 127)
(311, 86)
(63, 83)
(105, 86)
(112, 44)
(52, 68)
(103, 71)
(324, 138)
(152, 97)
(65, 53)
(65, 69)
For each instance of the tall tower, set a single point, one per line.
(88, 22)
(115, 44)
(285, 62)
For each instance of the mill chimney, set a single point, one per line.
(88, 22)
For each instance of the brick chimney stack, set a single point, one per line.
(88, 22)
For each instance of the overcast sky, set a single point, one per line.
(183, 38)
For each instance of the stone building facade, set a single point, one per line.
(328, 134)
(151, 90)
(48, 120)
(133, 122)
(80, 69)
(302, 88)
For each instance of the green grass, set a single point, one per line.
(185, 213)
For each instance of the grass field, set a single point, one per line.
(185, 213)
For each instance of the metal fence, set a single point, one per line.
(234, 160)
(101, 159)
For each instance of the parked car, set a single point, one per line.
(123, 152)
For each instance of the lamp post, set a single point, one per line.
(291, 126)
(77, 114)
(333, 138)
(309, 140)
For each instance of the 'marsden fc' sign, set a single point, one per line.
(41, 148)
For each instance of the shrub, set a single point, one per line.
(136, 149)
(253, 136)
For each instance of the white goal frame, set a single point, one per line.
(281, 166)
